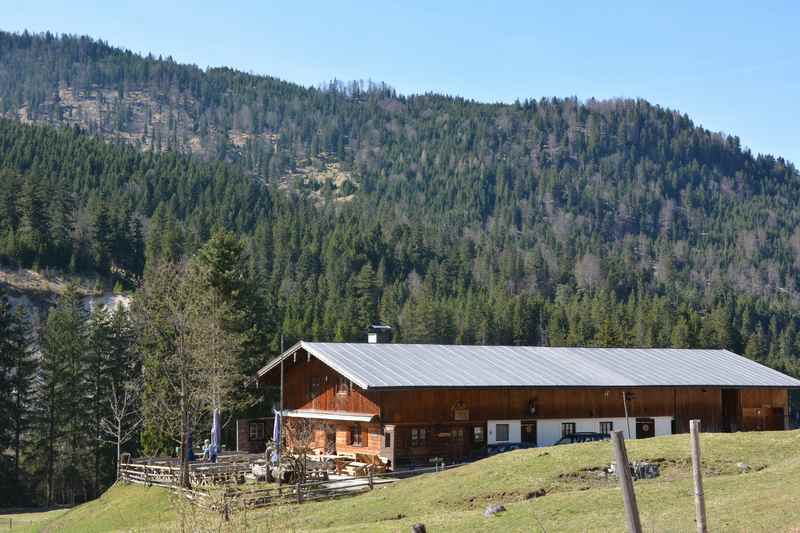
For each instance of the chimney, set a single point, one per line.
(379, 334)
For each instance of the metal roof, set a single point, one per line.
(379, 366)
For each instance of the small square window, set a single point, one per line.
(567, 428)
(314, 386)
(256, 431)
(501, 432)
(355, 436)
(418, 437)
(606, 427)
(477, 434)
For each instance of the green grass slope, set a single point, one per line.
(577, 499)
(121, 508)
(546, 489)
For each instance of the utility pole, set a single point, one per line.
(280, 424)
(697, 474)
(280, 406)
(626, 482)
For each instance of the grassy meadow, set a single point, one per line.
(545, 489)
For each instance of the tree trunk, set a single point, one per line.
(184, 479)
(50, 461)
(17, 439)
(97, 444)
(119, 444)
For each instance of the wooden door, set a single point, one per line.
(645, 428)
(477, 439)
(730, 410)
(457, 444)
(330, 439)
(529, 432)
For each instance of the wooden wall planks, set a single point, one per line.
(305, 374)
(298, 378)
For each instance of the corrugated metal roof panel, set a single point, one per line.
(433, 365)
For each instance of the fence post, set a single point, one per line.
(626, 482)
(697, 474)
(299, 490)
(369, 478)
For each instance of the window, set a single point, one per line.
(419, 437)
(387, 440)
(355, 436)
(256, 431)
(477, 434)
(313, 387)
(457, 434)
(501, 431)
(567, 428)
(606, 427)
(343, 387)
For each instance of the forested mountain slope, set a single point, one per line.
(552, 221)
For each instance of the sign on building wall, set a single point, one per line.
(460, 411)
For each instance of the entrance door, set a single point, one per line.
(730, 410)
(330, 439)
(477, 436)
(457, 444)
(388, 444)
(645, 428)
(528, 433)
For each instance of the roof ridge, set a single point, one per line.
(398, 365)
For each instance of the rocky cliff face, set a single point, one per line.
(37, 292)
(139, 118)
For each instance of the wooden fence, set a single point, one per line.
(200, 474)
(219, 493)
(9, 523)
(226, 458)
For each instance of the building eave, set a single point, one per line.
(329, 415)
(316, 353)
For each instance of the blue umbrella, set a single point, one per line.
(276, 430)
(216, 436)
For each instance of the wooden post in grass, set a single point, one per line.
(299, 490)
(626, 482)
(697, 474)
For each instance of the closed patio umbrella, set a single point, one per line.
(276, 431)
(216, 435)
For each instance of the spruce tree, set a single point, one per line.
(99, 364)
(60, 431)
(122, 412)
(17, 370)
(19, 343)
(34, 221)
(365, 287)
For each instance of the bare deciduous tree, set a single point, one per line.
(125, 415)
(189, 356)
(299, 439)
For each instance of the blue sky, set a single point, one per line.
(731, 66)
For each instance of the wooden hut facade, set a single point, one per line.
(412, 403)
